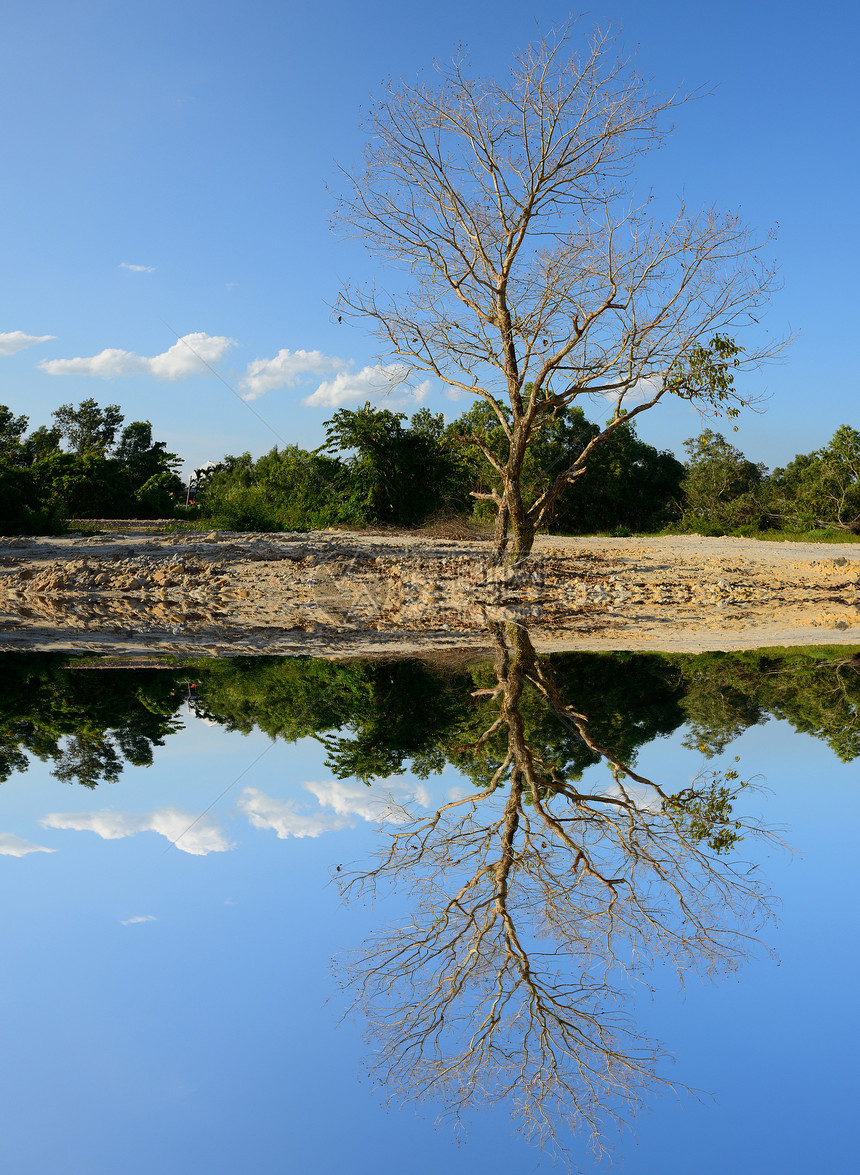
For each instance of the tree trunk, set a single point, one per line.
(501, 532)
(515, 532)
(522, 527)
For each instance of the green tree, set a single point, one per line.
(87, 723)
(89, 428)
(627, 483)
(816, 690)
(42, 442)
(721, 488)
(395, 474)
(21, 509)
(86, 485)
(142, 457)
(12, 429)
(823, 488)
(286, 489)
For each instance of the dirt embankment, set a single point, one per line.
(334, 593)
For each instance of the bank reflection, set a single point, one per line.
(89, 718)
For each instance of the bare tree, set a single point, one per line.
(533, 903)
(532, 277)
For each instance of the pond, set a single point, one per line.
(270, 913)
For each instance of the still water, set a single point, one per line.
(280, 915)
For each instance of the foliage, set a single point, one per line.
(822, 488)
(371, 716)
(816, 690)
(286, 489)
(41, 484)
(88, 428)
(378, 719)
(378, 468)
(721, 488)
(627, 484)
(706, 810)
(12, 429)
(371, 470)
(396, 475)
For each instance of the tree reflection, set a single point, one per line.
(533, 902)
(87, 724)
(380, 718)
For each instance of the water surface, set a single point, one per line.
(172, 838)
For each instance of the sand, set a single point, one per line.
(345, 594)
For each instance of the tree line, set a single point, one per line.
(379, 468)
(84, 465)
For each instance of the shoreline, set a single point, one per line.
(348, 594)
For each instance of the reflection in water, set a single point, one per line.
(87, 724)
(534, 898)
(374, 718)
(533, 903)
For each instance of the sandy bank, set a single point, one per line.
(334, 593)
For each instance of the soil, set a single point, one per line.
(336, 594)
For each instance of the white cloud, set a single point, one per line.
(284, 817)
(15, 846)
(371, 383)
(642, 391)
(342, 804)
(641, 797)
(177, 362)
(12, 341)
(354, 799)
(206, 835)
(138, 918)
(137, 268)
(287, 367)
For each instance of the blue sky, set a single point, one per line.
(171, 168)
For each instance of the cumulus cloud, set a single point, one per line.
(16, 846)
(342, 804)
(137, 268)
(284, 817)
(138, 918)
(206, 835)
(643, 390)
(287, 367)
(354, 799)
(378, 382)
(642, 798)
(15, 340)
(177, 362)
